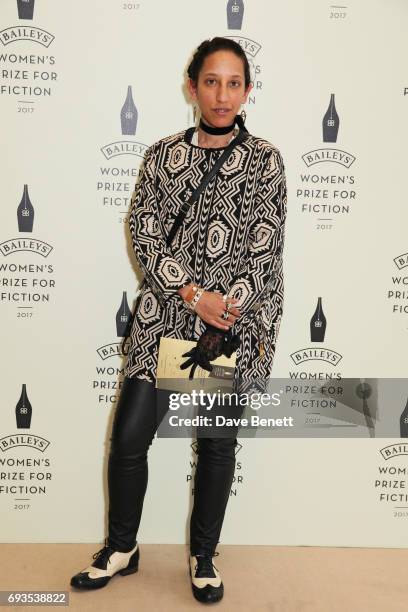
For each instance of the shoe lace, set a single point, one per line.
(104, 553)
(204, 567)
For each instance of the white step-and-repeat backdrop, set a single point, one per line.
(331, 92)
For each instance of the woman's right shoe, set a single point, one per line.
(108, 562)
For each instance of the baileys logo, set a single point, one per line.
(401, 261)
(393, 450)
(25, 219)
(23, 412)
(317, 330)
(123, 321)
(307, 354)
(18, 33)
(330, 128)
(128, 122)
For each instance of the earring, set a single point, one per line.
(194, 114)
(243, 115)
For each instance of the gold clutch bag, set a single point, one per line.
(171, 377)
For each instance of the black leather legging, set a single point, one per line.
(135, 423)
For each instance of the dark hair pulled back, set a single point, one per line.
(218, 43)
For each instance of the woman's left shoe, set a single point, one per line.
(205, 579)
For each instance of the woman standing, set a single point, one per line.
(230, 244)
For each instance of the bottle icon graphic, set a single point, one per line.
(404, 422)
(25, 213)
(235, 14)
(128, 115)
(318, 323)
(23, 410)
(123, 317)
(331, 122)
(25, 9)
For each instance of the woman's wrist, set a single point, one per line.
(191, 294)
(183, 291)
(187, 291)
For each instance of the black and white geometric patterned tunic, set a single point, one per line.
(231, 241)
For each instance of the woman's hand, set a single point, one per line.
(210, 308)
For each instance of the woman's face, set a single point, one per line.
(220, 89)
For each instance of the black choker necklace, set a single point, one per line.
(216, 131)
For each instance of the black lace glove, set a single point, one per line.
(213, 343)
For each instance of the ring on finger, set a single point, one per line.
(225, 314)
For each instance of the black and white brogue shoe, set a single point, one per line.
(108, 562)
(205, 579)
